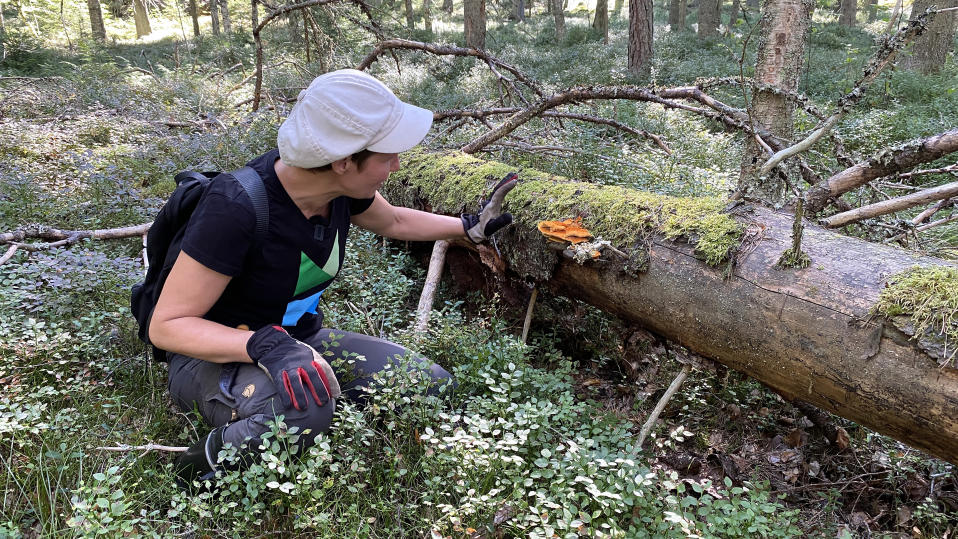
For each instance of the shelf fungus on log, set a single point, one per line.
(705, 276)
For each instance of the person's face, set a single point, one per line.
(367, 178)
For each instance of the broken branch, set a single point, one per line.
(891, 206)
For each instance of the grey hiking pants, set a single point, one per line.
(241, 395)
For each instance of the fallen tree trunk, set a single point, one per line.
(810, 334)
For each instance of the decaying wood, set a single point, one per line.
(663, 401)
(436, 263)
(893, 205)
(55, 237)
(884, 163)
(809, 334)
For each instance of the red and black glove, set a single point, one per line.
(299, 372)
(490, 219)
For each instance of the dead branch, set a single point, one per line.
(147, 447)
(721, 112)
(888, 50)
(950, 169)
(59, 238)
(485, 113)
(258, 87)
(923, 228)
(925, 215)
(436, 263)
(891, 206)
(885, 163)
(663, 401)
(441, 50)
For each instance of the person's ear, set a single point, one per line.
(342, 165)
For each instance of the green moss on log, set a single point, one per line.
(929, 296)
(452, 182)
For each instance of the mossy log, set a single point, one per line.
(708, 279)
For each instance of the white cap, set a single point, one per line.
(344, 112)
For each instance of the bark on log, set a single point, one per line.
(808, 333)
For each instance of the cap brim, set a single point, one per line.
(409, 131)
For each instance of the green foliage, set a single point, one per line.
(929, 296)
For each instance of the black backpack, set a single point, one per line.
(166, 235)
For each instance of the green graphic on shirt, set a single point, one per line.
(311, 275)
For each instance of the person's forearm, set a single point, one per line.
(415, 225)
(202, 339)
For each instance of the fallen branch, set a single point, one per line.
(436, 263)
(925, 215)
(924, 227)
(891, 206)
(59, 238)
(660, 406)
(147, 447)
(482, 114)
(446, 50)
(885, 163)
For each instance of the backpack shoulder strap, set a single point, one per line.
(251, 181)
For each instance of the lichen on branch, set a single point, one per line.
(452, 182)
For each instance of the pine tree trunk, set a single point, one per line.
(141, 18)
(214, 17)
(96, 20)
(447, 6)
(640, 37)
(849, 10)
(929, 51)
(617, 8)
(427, 14)
(410, 15)
(709, 17)
(254, 13)
(783, 35)
(474, 19)
(195, 16)
(677, 15)
(518, 11)
(225, 12)
(558, 15)
(601, 22)
(872, 10)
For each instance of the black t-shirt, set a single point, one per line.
(281, 279)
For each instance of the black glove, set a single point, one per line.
(490, 220)
(299, 372)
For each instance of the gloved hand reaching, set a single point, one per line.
(299, 372)
(490, 220)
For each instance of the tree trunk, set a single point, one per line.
(96, 20)
(427, 14)
(809, 334)
(676, 24)
(872, 10)
(601, 22)
(617, 8)
(447, 6)
(519, 13)
(410, 15)
(640, 37)
(849, 9)
(214, 17)
(474, 20)
(709, 17)
(195, 16)
(930, 50)
(225, 12)
(254, 13)
(558, 15)
(141, 18)
(292, 23)
(781, 54)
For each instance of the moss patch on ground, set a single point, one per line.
(929, 296)
(453, 182)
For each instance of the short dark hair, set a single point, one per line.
(359, 158)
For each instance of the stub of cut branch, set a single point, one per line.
(891, 206)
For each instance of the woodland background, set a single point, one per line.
(101, 104)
